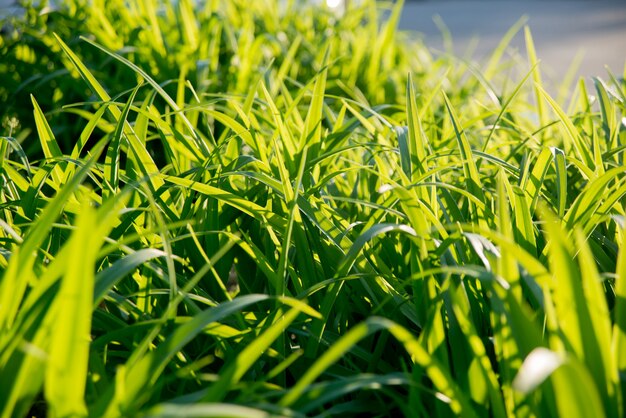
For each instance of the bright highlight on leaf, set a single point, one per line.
(536, 368)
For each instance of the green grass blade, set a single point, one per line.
(444, 383)
(312, 134)
(69, 342)
(536, 72)
(145, 372)
(472, 179)
(610, 124)
(259, 213)
(234, 371)
(618, 344)
(417, 141)
(12, 290)
(496, 56)
(532, 180)
(190, 28)
(201, 145)
(206, 410)
(364, 238)
(49, 144)
(505, 107)
(597, 337)
(582, 150)
(15, 145)
(474, 184)
(147, 165)
(106, 279)
(561, 180)
(112, 159)
(524, 228)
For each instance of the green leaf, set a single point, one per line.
(474, 185)
(610, 123)
(536, 72)
(106, 279)
(580, 147)
(204, 410)
(618, 344)
(442, 381)
(147, 370)
(200, 144)
(235, 370)
(575, 394)
(112, 160)
(417, 144)
(13, 286)
(561, 180)
(48, 143)
(146, 163)
(70, 339)
(312, 134)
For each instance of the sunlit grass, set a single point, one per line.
(256, 211)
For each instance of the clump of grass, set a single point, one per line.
(269, 212)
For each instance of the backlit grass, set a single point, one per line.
(264, 209)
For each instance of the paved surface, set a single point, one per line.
(561, 29)
(7, 6)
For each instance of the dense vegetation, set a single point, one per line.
(250, 209)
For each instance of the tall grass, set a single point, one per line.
(256, 211)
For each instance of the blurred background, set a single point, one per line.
(591, 33)
(585, 34)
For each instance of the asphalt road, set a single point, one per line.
(7, 6)
(561, 29)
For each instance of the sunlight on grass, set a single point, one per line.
(254, 209)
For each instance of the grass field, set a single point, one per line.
(252, 209)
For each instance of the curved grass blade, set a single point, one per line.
(12, 288)
(201, 145)
(317, 329)
(582, 150)
(257, 212)
(417, 142)
(147, 165)
(442, 381)
(576, 393)
(206, 410)
(147, 370)
(618, 343)
(235, 370)
(106, 279)
(15, 145)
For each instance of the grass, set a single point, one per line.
(248, 209)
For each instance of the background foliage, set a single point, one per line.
(260, 208)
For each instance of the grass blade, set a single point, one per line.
(69, 342)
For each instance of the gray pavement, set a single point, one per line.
(6, 3)
(561, 29)
(7, 7)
